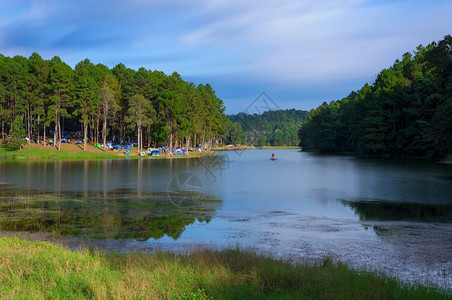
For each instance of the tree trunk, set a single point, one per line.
(57, 120)
(148, 134)
(59, 136)
(85, 134)
(97, 130)
(187, 142)
(44, 135)
(140, 137)
(29, 125)
(39, 123)
(171, 139)
(92, 134)
(55, 133)
(104, 131)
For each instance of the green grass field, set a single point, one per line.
(40, 270)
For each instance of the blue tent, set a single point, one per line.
(117, 147)
(154, 152)
(179, 151)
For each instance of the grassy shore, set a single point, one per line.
(71, 151)
(41, 270)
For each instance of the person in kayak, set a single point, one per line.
(273, 156)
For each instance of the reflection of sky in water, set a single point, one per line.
(296, 181)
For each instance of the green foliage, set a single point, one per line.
(16, 136)
(159, 132)
(51, 97)
(234, 133)
(407, 111)
(140, 113)
(274, 127)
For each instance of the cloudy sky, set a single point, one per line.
(300, 52)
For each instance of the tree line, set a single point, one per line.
(48, 97)
(271, 128)
(407, 111)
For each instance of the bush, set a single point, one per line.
(12, 144)
(15, 140)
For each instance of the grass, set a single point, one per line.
(75, 152)
(41, 270)
(52, 153)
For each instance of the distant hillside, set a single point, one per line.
(272, 128)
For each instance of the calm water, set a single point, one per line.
(391, 215)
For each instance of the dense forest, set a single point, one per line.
(272, 128)
(47, 98)
(407, 111)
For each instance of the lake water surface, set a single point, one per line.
(394, 216)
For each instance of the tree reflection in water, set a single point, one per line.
(117, 215)
(375, 210)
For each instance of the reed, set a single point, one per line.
(41, 270)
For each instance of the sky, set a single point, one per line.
(297, 53)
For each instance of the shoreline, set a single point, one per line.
(236, 148)
(70, 151)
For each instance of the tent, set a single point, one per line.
(116, 147)
(97, 145)
(154, 152)
(149, 151)
(179, 151)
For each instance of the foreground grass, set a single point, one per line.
(43, 270)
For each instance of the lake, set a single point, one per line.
(390, 215)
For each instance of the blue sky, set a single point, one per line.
(300, 52)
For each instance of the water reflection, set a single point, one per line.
(289, 207)
(119, 214)
(374, 210)
(108, 199)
